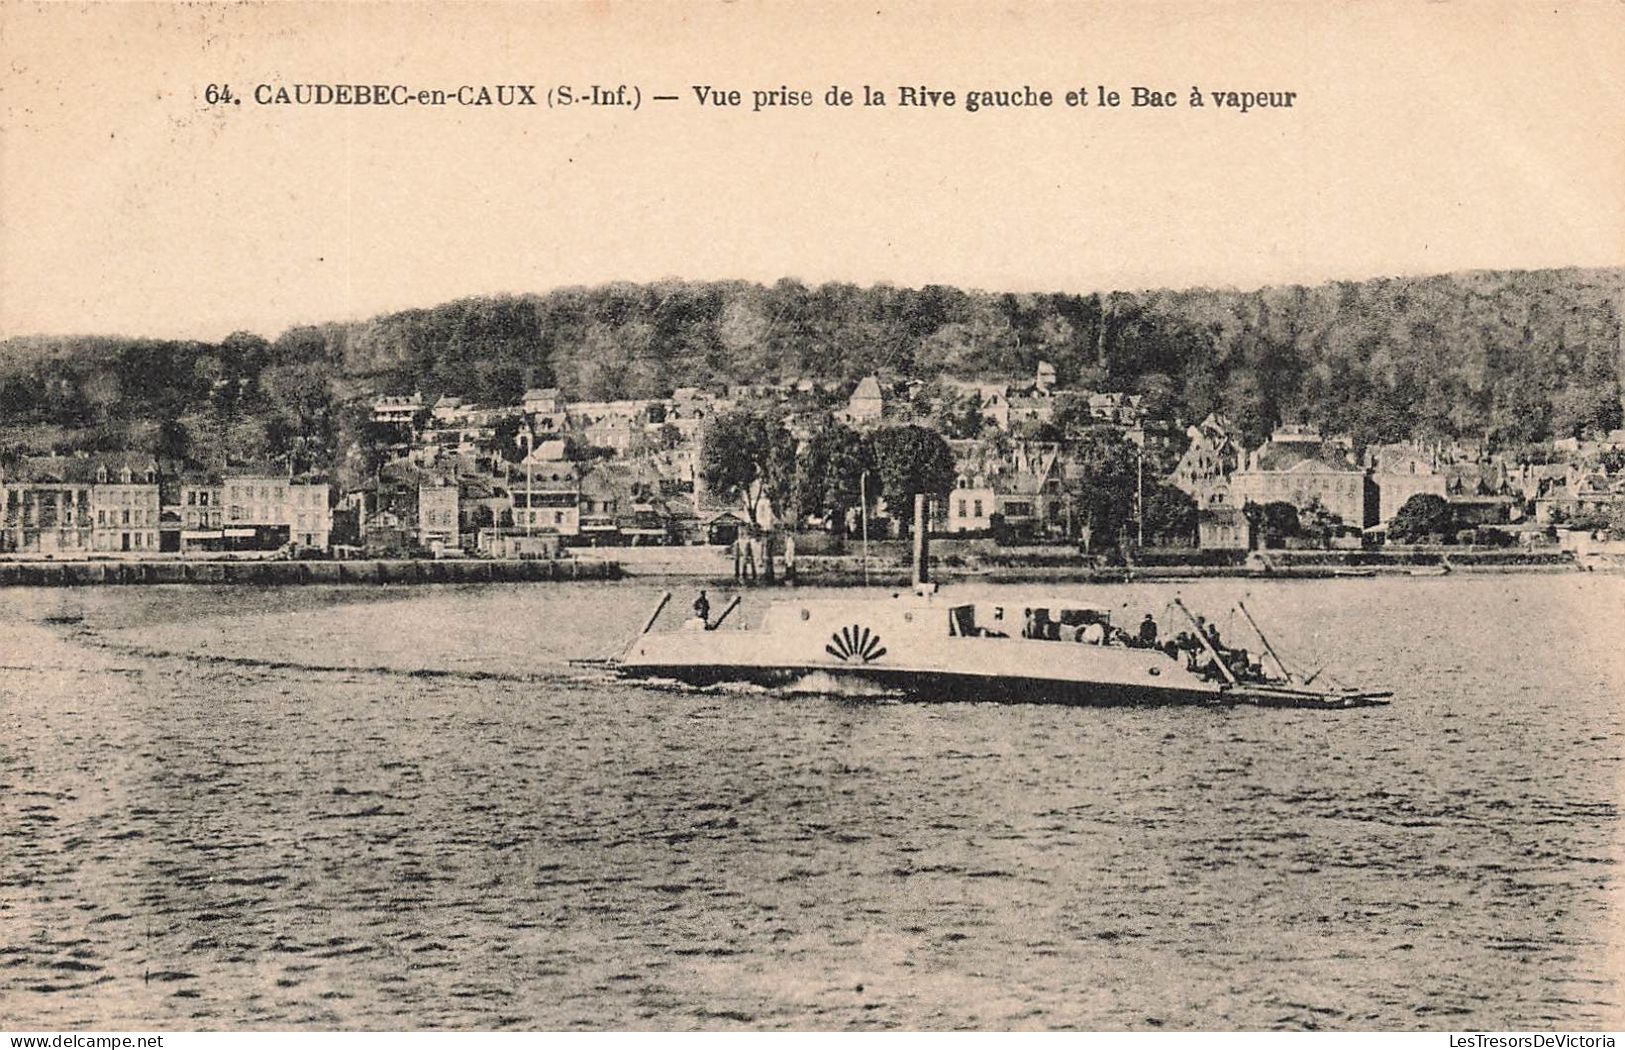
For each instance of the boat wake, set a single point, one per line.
(563, 675)
(822, 683)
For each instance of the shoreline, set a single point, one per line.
(286, 573)
(892, 578)
(813, 571)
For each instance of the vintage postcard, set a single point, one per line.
(812, 516)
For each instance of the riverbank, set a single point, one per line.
(711, 566)
(280, 573)
(704, 566)
(1018, 566)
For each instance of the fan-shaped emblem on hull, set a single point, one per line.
(855, 643)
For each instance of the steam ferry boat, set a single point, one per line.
(925, 645)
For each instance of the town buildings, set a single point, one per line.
(279, 509)
(437, 514)
(398, 411)
(459, 476)
(1204, 470)
(1399, 472)
(1022, 491)
(546, 494)
(1299, 466)
(79, 505)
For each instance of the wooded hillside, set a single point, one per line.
(1518, 356)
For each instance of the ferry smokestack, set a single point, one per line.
(922, 569)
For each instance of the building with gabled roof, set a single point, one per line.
(541, 400)
(1400, 471)
(1024, 487)
(1214, 454)
(1299, 467)
(992, 399)
(867, 403)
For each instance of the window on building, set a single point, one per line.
(978, 506)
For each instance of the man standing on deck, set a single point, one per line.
(1148, 632)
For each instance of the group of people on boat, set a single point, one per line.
(1089, 628)
(1204, 659)
(1201, 654)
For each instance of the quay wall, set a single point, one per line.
(282, 573)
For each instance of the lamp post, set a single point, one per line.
(1139, 498)
(529, 442)
(863, 511)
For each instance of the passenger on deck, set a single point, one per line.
(1148, 632)
(702, 609)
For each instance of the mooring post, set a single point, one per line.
(922, 568)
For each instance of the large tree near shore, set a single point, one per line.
(829, 474)
(1424, 515)
(911, 460)
(749, 457)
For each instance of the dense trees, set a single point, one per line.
(1106, 486)
(1276, 521)
(829, 474)
(749, 457)
(1424, 517)
(1170, 514)
(910, 461)
(1517, 357)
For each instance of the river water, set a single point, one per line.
(403, 808)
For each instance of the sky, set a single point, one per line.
(1423, 138)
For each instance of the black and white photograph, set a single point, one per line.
(812, 517)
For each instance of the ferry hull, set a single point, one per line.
(949, 687)
(944, 686)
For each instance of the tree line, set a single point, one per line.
(1516, 357)
(751, 458)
